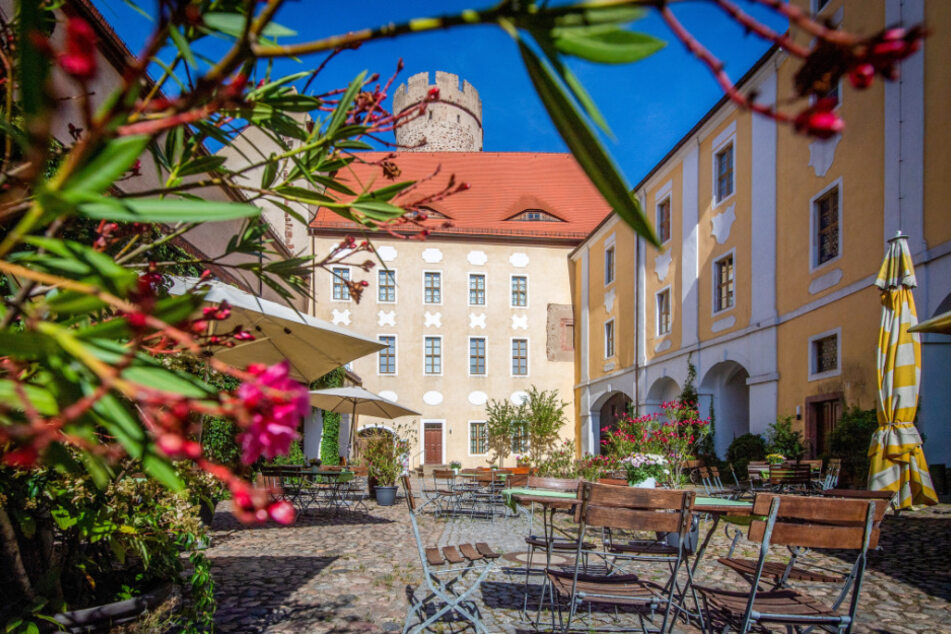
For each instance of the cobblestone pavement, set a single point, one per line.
(351, 573)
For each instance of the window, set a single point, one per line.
(535, 215)
(519, 357)
(386, 286)
(432, 349)
(519, 438)
(663, 312)
(341, 290)
(819, 5)
(609, 339)
(477, 355)
(723, 280)
(723, 164)
(478, 438)
(663, 220)
(519, 290)
(432, 287)
(826, 226)
(387, 363)
(609, 265)
(476, 289)
(825, 354)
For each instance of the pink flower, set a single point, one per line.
(79, 60)
(274, 417)
(282, 512)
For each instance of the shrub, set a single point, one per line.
(218, 441)
(560, 462)
(330, 439)
(850, 440)
(782, 439)
(744, 449)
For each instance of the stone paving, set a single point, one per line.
(351, 572)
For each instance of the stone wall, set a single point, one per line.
(451, 124)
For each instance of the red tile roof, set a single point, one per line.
(502, 184)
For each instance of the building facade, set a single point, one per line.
(771, 243)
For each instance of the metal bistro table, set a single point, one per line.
(325, 486)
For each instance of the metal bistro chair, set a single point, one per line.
(830, 479)
(628, 509)
(444, 494)
(758, 475)
(804, 522)
(443, 583)
(713, 486)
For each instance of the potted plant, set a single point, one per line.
(645, 469)
(775, 458)
(384, 466)
(455, 465)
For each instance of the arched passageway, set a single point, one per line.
(615, 406)
(662, 390)
(724, 388)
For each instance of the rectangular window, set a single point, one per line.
(827, 226)
(608, 339)
(386, 286)
(432, 349)
(663, 312)
(723, 270)
(388, 355)
(820, 5)
(477, 355)
(519, 290)
(724, 173)
(476, 289)
(520, 438)
(478, 439)
(825, 354)
(519, 357)
(608, 265)
(341, 290)
(432, 287)
(663, 220)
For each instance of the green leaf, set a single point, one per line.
(332, 183)
(601, 15)
(166, 210)
(304, 195)
(78, 261)
(39, 397)
(182, 45)
(33, 64)
(233, 24)
(108, 165)
(585, 146)
(389, 191)
(270, 172)
(340, 112)
(606, 44)
(201, 165)
(161, 469)
(159, 378)
(119, 421)
(267, 89)
(378, 210)
(26, 345)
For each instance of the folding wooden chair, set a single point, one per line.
(624, 508)
(799, 522)
(790, 477)
(830, 479)
(444, 494)
(443, 570)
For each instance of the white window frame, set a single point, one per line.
(442, 360)
(333, 278)
(485, 339)
(469, 438)
(395, 285)
(715, 281)
(727, 137)
(422, 436)
(813, 98)
(818, 376)
(528, 357)
(610, 245)
(396, 356)
(442, 287)
(485, 290)
(604, 339)
(814, 225)
(670, 307)
(668, 198)
(528, 290)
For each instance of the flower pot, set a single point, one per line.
(648, 483)
(385, 496)
(102, 617)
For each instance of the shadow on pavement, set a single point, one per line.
(226, 521)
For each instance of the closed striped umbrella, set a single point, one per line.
(897, 462)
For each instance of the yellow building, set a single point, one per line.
(771, 243)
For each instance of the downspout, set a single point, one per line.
(637, 320)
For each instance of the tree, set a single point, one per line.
(544, 414)
(502, 417)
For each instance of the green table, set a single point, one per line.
(547, 497)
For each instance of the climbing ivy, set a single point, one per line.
(330, 439)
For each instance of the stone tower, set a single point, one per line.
(452, 124)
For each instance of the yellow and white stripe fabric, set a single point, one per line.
(897, 462)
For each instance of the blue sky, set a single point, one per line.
(648, 105)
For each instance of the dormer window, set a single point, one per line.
(535, 215)
(426, 213)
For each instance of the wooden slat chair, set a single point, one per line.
(616, 546)
(758, 475)
(624, 509)
(712, 485)
(799, 522)
(790, 476)
(443, 572)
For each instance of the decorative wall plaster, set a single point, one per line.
(386, 318)
(518, 397)
(722, 223)
(822, 153)
(432, 255)
(608, 366)
(341, 317)
(661, 264)
(519, 321)
(478, 398)
(825, 281)
(432, 397)
(477, 321)
(609, 300)
(386, 252)
(389, 395)
(519, 260)
(432, 319)
(723, 324)
(662, 346)
(477, 258)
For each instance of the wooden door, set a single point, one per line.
(432, 443)
(824, 414)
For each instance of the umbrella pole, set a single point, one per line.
(353, 431)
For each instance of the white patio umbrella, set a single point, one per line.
(313, 346)
(356, 400)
